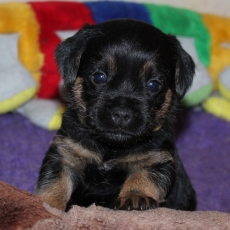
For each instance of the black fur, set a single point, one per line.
(124, 80)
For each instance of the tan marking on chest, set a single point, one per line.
(139, 161)
(74, 154)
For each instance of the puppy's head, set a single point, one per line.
(125, 78)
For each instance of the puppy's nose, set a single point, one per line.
(121, 116)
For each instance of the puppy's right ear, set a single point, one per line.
(185, 70)
(68, 53)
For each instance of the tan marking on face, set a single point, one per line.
(146, 69)
(74, 155)
(77, 90)
(139, 183)
(112, 67)
(165, 107)
(58, 192)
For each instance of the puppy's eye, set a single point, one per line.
(154, 86)
(99, 78)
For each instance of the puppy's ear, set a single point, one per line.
(185, 69)
(68, 53)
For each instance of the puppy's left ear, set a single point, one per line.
(185, 70)
(68, 53)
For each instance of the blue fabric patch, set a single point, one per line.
(106, 10)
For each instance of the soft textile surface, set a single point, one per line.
(16, 205)
(19, 208)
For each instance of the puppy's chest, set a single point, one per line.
(100, 184)
(106, 175)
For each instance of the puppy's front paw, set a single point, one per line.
(135, 202)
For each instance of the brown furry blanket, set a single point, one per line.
(22, 210)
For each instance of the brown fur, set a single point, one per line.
(57, 193)
(74, 158)
(139, 183)
(146, 69)
(112, 67)
(138, 186)
(165, 107)
(77, 89)
(138, 161)
(73, 154)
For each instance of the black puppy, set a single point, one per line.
(116, 145)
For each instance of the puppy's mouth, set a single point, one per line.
(118, 137)
(120, 121)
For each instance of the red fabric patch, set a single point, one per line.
(53, 16)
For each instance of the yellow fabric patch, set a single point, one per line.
(218, 106)
(224, 90)
(220, 55)
(56, 120)
(20, 18)
(16, 101)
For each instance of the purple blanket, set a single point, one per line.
(202, 139)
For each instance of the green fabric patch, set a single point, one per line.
(198, 96)
(182, 22)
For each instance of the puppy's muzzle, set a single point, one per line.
(121, 116)
(120, 119)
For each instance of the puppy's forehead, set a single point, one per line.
(125, 46)
(136, 50)
(136, 34)
(116, 38)
(136, 63)
(131, 30)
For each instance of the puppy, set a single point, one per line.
(116, 146)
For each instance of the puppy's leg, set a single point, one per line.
(61, 170)
(55, 189)
(147, 184)
(138, 193)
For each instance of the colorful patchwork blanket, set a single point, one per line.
(29, 33)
